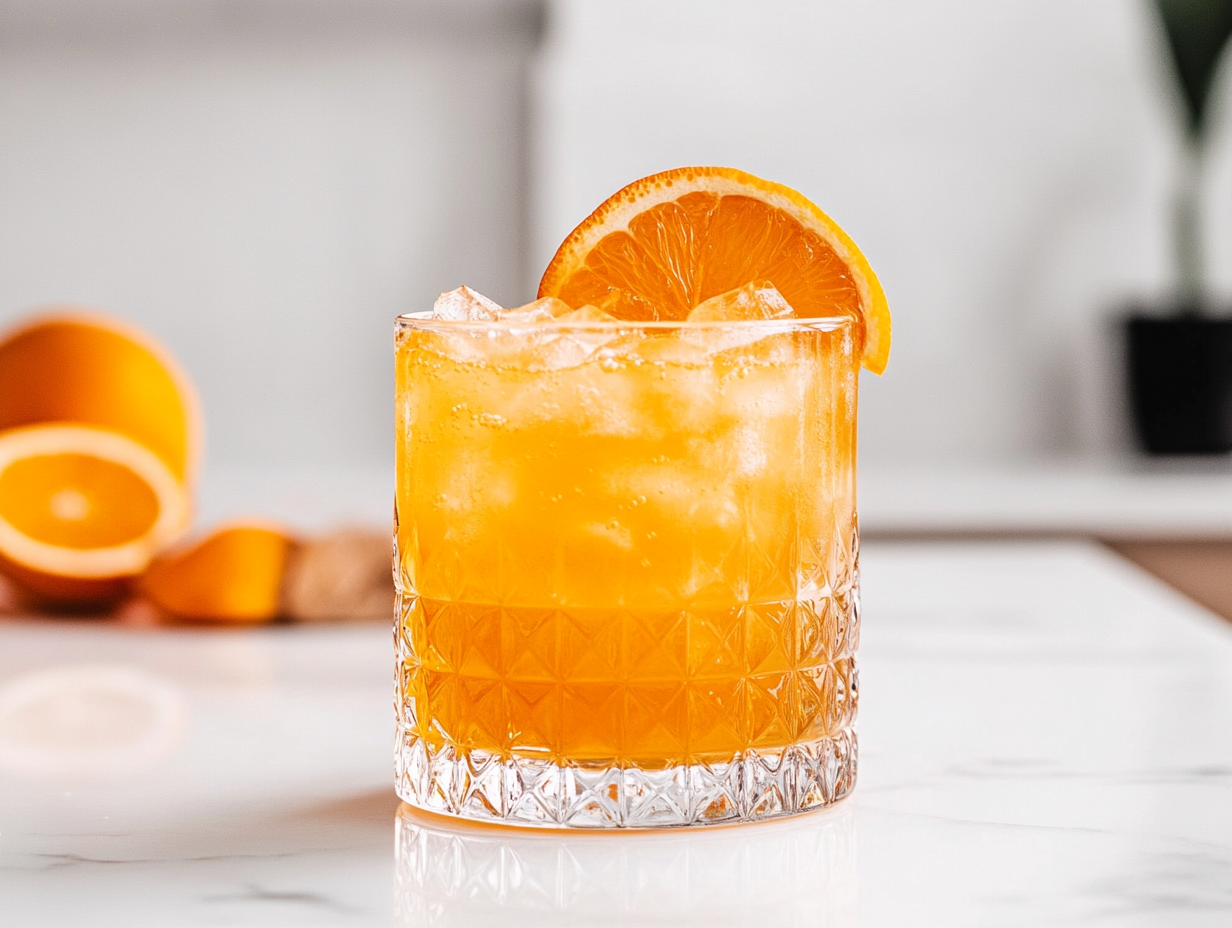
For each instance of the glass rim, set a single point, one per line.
(426, 321)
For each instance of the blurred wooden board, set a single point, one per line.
(1202, 570)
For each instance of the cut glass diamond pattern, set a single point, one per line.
(757, 785)
(604, 717)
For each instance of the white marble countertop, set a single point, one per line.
(1046, 738)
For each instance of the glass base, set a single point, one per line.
(524, 791)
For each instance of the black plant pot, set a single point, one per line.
(1180, 371)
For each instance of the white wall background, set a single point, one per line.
(1005, 166)
(265, 187)
(265, 184)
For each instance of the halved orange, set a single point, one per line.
(666, 243)
(83, 510)
(87, 369)
(232, 575)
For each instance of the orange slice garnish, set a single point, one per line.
(666, 243)
(232, 575)
(83, 510)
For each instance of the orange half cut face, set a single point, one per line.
(82, 508)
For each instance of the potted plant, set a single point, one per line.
(1180, 362)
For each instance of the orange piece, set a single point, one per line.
(232, 575)
(82, 510)
(96, 371)
(666, 243)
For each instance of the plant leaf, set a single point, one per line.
(1197, 31)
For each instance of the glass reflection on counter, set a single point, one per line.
(791, 872)
(88, 721)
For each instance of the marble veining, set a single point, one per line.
(1046, 738)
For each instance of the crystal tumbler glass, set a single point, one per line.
(626, 557)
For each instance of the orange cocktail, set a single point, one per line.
(645, 560)
(627, 561)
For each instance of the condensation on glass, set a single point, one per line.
(627, 569)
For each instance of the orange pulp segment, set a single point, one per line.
(665, 243)
(83, 509)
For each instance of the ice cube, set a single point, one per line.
(749, 445)
(757, 299)
(465, 305)
(463, 345)
(587, 314)
(661, 349)
(557, 350)
(543, 310)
